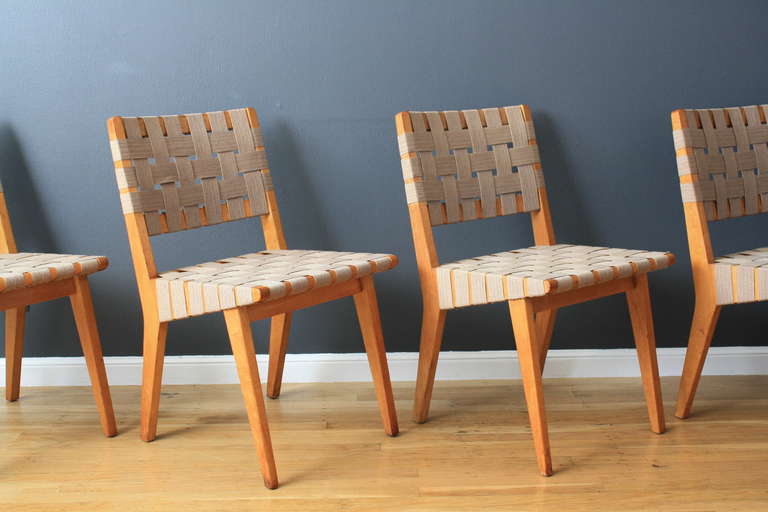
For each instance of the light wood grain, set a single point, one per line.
(85, 320)
(241, 339)
(639, 303)
(367, 307)
(524, 325)
(473, 455)
(14, 348)
(279, 330)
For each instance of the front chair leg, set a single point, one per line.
(639, 302)
(279, 328)
(367, 308)
(241, 338)
(14, 346)
(155, 334)
(702, 328)
(85, 319)
(432, 326)
(524, 326)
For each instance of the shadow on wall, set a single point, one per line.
(299, 206)
(31, 228)
(567, 205)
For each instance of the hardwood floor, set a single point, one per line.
(475, 452)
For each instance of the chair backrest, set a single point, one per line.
(722, 159)
(470, 164)
(186, 171)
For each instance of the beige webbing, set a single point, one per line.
(259, 277)
(537, 271)
(188, 166)
(726, 151)
(462, 158)
(27, 269)
(741, 277)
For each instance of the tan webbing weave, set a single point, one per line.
(488, 156)
(26, 269)
(189, 166)
(742, 277)
(537, 271)
(258, 277)
(722, 159)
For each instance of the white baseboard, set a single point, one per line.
(501, 364)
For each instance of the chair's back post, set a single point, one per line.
(274, 238)
(421, 228)
(541, 219)
(699, 243)
(7, 240)
(138, 237)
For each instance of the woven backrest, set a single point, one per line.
(471, 164)
(191, 170)
(722, 159)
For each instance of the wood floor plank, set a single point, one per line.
(474, 454)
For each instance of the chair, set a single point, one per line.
(722, 159)
(30, 278)
(185, 171)
(474, 164)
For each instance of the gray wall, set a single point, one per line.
(327, 78)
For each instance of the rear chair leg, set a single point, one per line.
(639, 302)
(85, 319)
(524, 326)
(14, 346)
(241, 338)
(279, 328)
(367, 308)
(545, 325)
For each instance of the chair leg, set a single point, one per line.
(524, 326)
(14, 346)
(432, 326)
(85, 320)
(241, 338)
(367, 307)
(279, 328)
(155, 334)
(702, 328)
(639, 302)
(545, 325)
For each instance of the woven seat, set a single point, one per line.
(742, 277)
(26, 269)
(259, 277)
(537, 271)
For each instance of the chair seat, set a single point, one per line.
(537, 271)
(742, 277)
(259, 277)
(27, 269)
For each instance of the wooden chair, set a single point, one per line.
(185, 171)
(474, 164)
(30, 278)
(722, 160)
